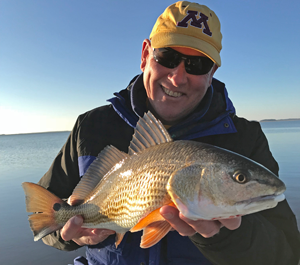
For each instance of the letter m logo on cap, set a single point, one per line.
(195, 22)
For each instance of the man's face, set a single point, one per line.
(173, 93)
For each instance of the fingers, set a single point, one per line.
(232, 224)
(206, 228)
(72, 230)
(171, 214)
(188, 227)
(93, 236)
(102, 234)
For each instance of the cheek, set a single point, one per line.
(200, 85)
(149, 86)
(199, 92)
(147, 77)
(152, 74)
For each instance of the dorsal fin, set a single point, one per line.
(106, 159)
(148, 132)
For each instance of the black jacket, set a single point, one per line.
(268, 237)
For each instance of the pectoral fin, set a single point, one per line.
(153, 233)
(150, 218)
(154, 227)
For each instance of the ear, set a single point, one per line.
(212, 72)
(146, 51)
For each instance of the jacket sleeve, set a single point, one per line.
(268, 237)
(61, 179)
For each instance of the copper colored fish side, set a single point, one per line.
(124, 192)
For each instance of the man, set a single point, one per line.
(177, 86)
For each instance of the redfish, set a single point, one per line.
(124, 192)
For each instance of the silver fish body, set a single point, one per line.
(192, 175)
(120, 191)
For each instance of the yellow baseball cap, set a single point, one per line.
(191, 25)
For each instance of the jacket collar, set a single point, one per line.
(212, 116)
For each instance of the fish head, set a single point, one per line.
(225, 186)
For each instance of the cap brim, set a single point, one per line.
(164, 39)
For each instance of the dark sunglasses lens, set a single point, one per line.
(194, 65)
(198, 65)
(167, 57)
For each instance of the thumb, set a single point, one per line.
(71, 228)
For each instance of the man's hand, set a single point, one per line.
(72, 230)
(187, 227)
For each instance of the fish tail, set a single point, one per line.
(44, 205)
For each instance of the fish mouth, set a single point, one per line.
(262, 199)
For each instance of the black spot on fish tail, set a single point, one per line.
(56, 207)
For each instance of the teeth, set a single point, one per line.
(171, 93)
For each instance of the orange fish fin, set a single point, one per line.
(43, 204)
(152, 217)
(119, 238)
(153, 233)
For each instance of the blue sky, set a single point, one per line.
(61, 58)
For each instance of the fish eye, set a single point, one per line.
(240, 177)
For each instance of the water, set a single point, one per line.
(284, 141)
(27, 157)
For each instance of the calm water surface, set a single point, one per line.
(27, 157)
(284, 141)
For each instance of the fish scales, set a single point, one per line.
(91, 213)
(140, 185)
(124, 192)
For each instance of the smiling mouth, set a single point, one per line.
(171, 93)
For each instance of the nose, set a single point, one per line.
(178, 75)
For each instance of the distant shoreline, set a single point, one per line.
(292, 119)
(264, 120)
(33, 133)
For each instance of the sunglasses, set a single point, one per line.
(194, 65)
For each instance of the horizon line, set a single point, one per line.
(263, 120)
(2, 134)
